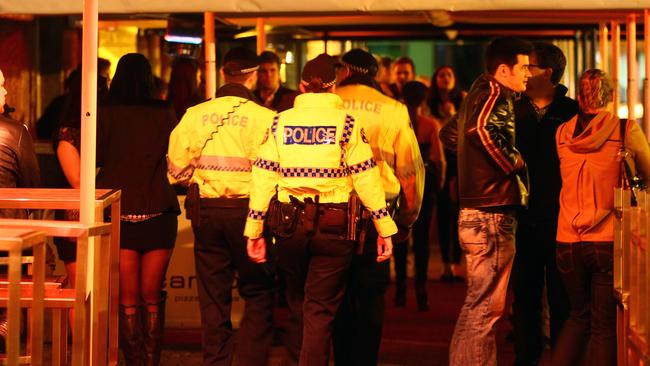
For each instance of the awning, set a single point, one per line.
(292, 6)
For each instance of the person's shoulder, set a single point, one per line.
(288, 92)
(11, 125)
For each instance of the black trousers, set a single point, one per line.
(358, 325)
(315, 269)
(220, 252)
(447, 217)
(534, 267)
(589, 335)
(421, 242)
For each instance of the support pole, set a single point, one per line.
(210, 56)
(88, 111)
(88, 141)
(616, 51)
(603, 36)
(646, 81)
(632, 69)
(261, 35)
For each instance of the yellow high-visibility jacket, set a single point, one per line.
(316, 148)
(215, 145)
(394, 146)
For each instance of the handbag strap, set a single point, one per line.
(622, 124)
(624, 170)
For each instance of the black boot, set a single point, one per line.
(131, 336)
(421, 296)
(154, 323)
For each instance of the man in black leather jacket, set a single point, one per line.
(18, 164)
(492, 185)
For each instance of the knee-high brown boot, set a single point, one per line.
(154, 323)
(131, 336)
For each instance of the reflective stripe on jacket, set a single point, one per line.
(231, 129)
(303, 157)
(388, 128)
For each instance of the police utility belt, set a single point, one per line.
(194, 203)
(345, 220)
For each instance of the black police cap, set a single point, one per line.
(360, 62)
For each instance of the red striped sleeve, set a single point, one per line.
(487, 142)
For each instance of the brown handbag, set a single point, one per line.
(629, 179)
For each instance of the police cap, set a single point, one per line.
(360, 62)
(240, 61)
(321, 70)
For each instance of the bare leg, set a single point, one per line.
(129, 279)
(153, 268)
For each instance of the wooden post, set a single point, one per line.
(616, 51)
(603, 39)
(646, 81)
(88, 141)
(261, 35)
(88, 112)
(632, 69)
(210, 56)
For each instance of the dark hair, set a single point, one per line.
(269, 57)
(70, 116)
(504, 50)
(183, 88)
(159, 89)
(435, 98)
(414, 93)
(405, 60)
(133, 80)
(103, 65)
(550, 56)
(386, 62)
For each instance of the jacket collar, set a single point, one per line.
(236, 90)
(307, 100)
(361, 79)
(486, 79)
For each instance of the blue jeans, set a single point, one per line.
(589, 334)
(488, 241)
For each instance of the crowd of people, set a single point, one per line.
(314, 190)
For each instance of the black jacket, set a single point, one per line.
(132, 142)
(282, 99)
(536, 142)
(18, 164)
(491, 171)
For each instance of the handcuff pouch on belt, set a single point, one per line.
(281, 219)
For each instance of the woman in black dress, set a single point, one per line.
(133, 132)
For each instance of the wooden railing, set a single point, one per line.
(631, 274)
(100, 297)
(14, 243)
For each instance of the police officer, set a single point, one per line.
(213, 148)
(388, 130)
(316, 155)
